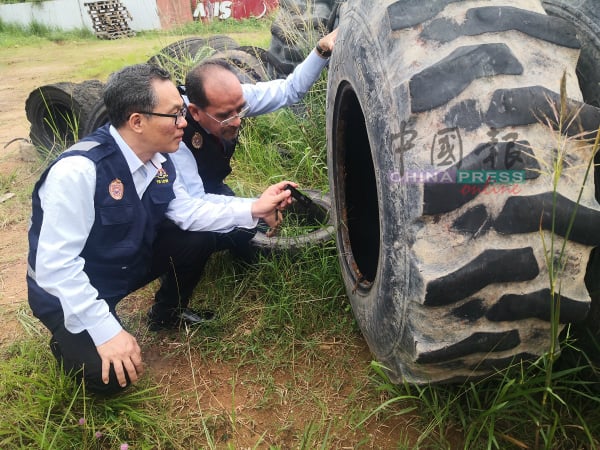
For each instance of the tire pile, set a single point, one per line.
(61, 113)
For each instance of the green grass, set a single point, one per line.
(8, 2)
(43, 408)
(505, 409)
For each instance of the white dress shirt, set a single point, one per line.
(67, 200)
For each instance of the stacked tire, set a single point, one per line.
(251, 64)
(58, 112)
(297, 27)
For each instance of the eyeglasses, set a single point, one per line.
(178, 116)
(224, 123)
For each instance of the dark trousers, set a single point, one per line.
(78, 356)
(179, 259)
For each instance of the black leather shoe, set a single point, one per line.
(182, 316)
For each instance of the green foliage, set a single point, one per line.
(287, 144)
(292, 300)
(43, 408)
(246, 26)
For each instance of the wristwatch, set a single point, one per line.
(323, 53)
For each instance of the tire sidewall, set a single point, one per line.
(357, 61)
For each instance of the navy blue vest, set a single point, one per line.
(118, 251)
(212, 155)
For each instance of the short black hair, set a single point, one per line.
(130, 90)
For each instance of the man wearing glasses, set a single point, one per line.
(217, 102)
(109, 215)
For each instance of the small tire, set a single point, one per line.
(247, 67)
(58, 112)
(319, 217)
(275, 69)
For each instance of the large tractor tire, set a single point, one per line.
(292, 33)
(585, 16)
(58, 112)
(449, 281)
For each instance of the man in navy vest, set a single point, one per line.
(109, 215)
(217, 102)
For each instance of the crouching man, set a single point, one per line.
(109, 215)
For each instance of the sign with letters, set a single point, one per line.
(204, 10)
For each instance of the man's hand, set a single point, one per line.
(327, 42)
(125, 355)
(272, 200)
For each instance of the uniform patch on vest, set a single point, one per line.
(115, 189)
(197, 140)
(162, 177)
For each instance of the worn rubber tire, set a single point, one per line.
(297, 27)
(584, 15)
(273, 67)
(280, 244)
(190, 51)
(97, 117)
(189, 47)
(54, 108)
(448, 285)
(247, 67)
(219, 42)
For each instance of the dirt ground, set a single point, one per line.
(184, 379)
